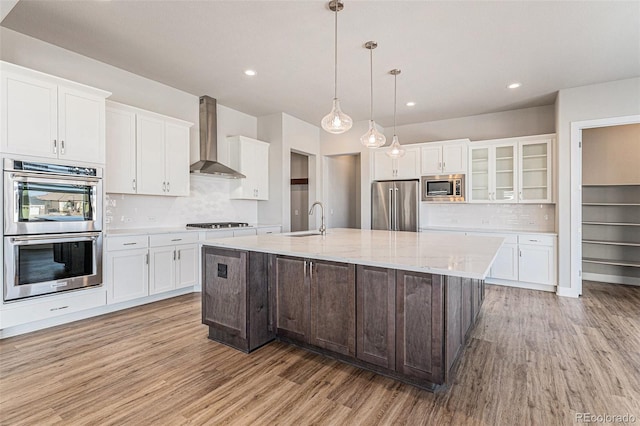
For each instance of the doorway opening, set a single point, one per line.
(605, 201)
(342, 193)
(299, 192)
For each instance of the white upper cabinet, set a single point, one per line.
(121, 151)
(405, 167)
(536, 168)
(512, 170)
(492, 176)
(147, 153)
(251, 158)
(444, 157)
(48, 117)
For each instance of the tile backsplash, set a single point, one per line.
(525, 217)
(208, 202)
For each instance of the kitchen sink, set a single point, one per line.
(303, 234)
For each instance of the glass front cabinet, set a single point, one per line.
(511, 171)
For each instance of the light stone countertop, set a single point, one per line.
(486, 231)
(437, 253)
(171, 230)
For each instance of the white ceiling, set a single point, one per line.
(456, 57)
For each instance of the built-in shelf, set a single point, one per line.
(535, 187)
(611, 262)
(540, 169)
(611, 223)
(611, 204)
(609, 184)
(504, 171)
(535, 156)
(504, 158)
(611, 243)
(611, 246)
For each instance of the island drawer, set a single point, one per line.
(173, 239)
(127, 243)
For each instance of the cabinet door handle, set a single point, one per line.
(164, 186)
(168, 186)
(520, 253)
(146, 258)
(62, 147)
(304, 273)
(310, 269)
(179, 254)
(55, 146)
(174, 255)
(133, 184)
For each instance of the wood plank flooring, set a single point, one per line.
(534, 358)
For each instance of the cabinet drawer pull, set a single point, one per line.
(535, 241)
(177, 239)
(58, 308)
(129, 244)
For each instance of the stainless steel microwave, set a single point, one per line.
(443, 188)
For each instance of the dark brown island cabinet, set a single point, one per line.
(407, 325)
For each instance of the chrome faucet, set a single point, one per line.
(323, 228)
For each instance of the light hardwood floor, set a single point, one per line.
(534, 358)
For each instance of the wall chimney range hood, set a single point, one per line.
(208, 163)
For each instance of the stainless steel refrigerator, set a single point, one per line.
(394, 205)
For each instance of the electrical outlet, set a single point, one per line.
(331, 211)
(546, 217)
(296, 212)
(128, 219)
(151, 218)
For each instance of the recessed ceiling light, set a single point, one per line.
(514, 85)
(250, 73)
(410, 104)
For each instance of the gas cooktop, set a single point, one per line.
(216, 225)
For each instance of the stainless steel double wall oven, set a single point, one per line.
(52, 228)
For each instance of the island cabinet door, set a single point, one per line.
(420, 326)
(292, 298)
(376, 316)
(333, 306)
(224, 296)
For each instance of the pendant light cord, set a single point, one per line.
(371, 76)
(395, 101)
(335, 52)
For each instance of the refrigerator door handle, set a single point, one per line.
(390, 209)
(395, 208)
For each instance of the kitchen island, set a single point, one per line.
(401, 304)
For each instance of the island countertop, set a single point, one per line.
(436, 253)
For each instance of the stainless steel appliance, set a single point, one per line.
(49, 263)
(394, 205)
(50, 198)
(208, 163)
(445, 188)
(52, 228)
(217, 225)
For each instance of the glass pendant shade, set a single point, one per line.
(395, 149)
(336, 121)
(372, 138)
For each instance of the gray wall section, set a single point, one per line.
(506, 124)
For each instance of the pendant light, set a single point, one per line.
(336, 121)
(395, 150)
(372, 138)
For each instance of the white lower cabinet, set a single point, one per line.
(143, 265)
(127, 275)
(505, 267)
(127, 268)
(173, 261)
(536, 262)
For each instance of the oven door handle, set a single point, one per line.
(25, 240)
(40, 177)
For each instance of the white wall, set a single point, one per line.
(611, 155)
(349, 143)
(612, 99)
(288, 134)
(342, 203)
(506, 124)
(209, 198)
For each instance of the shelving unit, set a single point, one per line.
(611, 233)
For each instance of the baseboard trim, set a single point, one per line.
(567, 292)
(520, 284)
